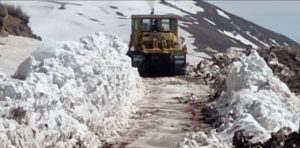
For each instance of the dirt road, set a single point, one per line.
(170, 110)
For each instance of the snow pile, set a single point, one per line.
(255, 100)
(200, 139)
(213, 72)
(72, 93)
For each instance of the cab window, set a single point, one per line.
(166, 24)
(146, 23)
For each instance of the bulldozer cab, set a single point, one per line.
(155, 34)
(155, 44)
(163, 24)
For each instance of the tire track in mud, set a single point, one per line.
(170, 110)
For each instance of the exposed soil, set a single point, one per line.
(170, 111)
(15, 22)
(16, 26)
(3, 16)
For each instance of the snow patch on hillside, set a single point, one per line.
(255, 100)
(85, 17)
(193, 57)
(255, 38)
(240, 38)
(189, 6)
(209, 21)
(274, 41)
(70, 93)
(223, 14)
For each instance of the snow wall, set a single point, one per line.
(255, 100)
(70, 93)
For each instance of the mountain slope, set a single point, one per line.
(229, 30)
(203, 26)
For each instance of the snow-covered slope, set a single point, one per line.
(85, 17)
(204, 26)
(68, 94)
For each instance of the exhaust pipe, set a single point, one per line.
(152, 11)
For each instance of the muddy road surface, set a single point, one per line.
(170, 110)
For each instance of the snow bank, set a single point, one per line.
(73, 93)
(255, 100)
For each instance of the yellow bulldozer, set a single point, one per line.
(155, 46)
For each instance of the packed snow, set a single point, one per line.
(240, 38)
(68, 94)
(223, 14)
(254, 100)
(14, 50)
(201, 140)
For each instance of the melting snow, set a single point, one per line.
(275, 43)
(255, 38)
(193, 57)
(220, 31)
(286, 44)
(209, 21)
(221, 13)
(189, 6)
(240, 38)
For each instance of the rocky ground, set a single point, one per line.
(284, 64)
(15, 22)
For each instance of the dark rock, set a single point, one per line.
(16, 23)
(287, 67)
(284, 138)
